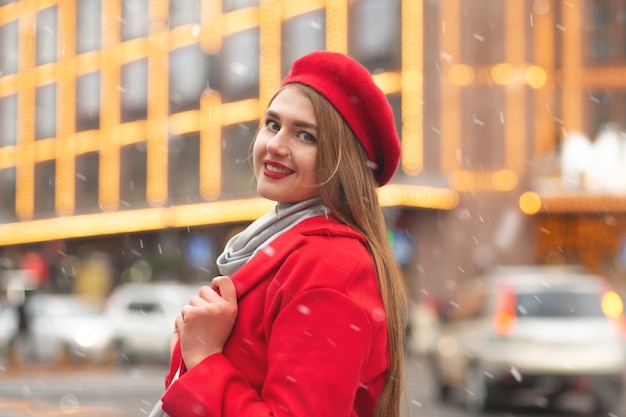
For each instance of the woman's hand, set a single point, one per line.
(206, 322)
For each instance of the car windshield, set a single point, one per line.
(559, 304)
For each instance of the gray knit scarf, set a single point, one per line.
(265, 229)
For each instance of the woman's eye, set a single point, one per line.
(272, 125)
(307, 137)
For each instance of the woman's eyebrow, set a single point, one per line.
(299, 123)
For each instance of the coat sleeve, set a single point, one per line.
(317, 348)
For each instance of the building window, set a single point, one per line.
(240, 65)
(7, 195)
(184, 12)
(45, 112)
(237, 171)
(374, 33)
(134, 91)
(601, 50)
(8, 46)
(184, 169)
(133, 165)
(188, 77)
(88, 102)
(605, 31)
(45, 186)
(301, 35)
(46, 35)
(87, 182)
(8, 120)
(135, 19)
(230, 5)
(88, 27)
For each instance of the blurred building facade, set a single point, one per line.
(125, 127)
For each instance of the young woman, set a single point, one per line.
(309, 315)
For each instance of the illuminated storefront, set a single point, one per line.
(132, 120)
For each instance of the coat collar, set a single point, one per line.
(260, 265)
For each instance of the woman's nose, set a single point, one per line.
(278, 144)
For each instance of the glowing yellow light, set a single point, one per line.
(541, 6)
(87, 141)
(460, 74)
(450, 13)
(7, 157)
(87, 62)
(296, 8)
(131, 133)
(130, 221)
(530, 203)
(26, 84)
(217, 212)
(184, 122)
(9, 13)
(544, 97)
(157, 139)
(8, 85)
(109, 152)
(211, 26)
(572, 62)
(462, 180)
(133, 50)
(412, 87)
(46, 74)
(270, 45)
(240, 19)
(417, 196)
(612, 304)
(504, 73)
(240, 111)
(66, 115)
(44, 150)
(185, 35)
(388, 82)
(336, 25)
(535, 76)
(159, 10)
(210, 144)
(504, 180)
(80, 226)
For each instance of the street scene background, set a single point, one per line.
(125, 131)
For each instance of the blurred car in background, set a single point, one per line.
(143, 315)
(532, 333)
(423, 332)
(9, 327)
(66, 329)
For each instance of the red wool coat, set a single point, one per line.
(310, 338)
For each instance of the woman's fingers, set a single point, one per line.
(226, 288)
(207, 321)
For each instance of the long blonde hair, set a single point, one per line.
(348, 188)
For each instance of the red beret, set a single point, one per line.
(349, 87)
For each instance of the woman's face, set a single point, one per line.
(285, 149)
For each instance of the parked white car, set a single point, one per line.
(66, 328)
(143, 315)
(532, 332)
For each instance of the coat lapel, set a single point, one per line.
(259, 267)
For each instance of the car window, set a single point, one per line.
(145, 307)
(559, 304)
